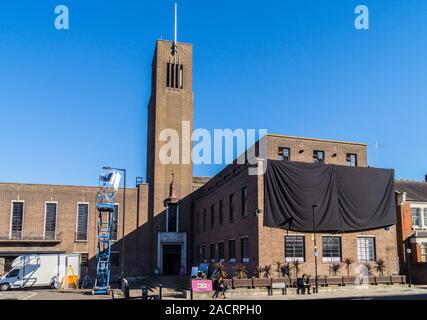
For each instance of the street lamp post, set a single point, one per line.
(315, 249)
(408, 262)
(124, 216)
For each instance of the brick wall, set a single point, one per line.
(230, 181)
(67, 198)
(302, 149)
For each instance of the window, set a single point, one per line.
(82, 221)
(352, 160)
(221, 251)
(84, 259)
(423, 252)
(50, 221)
(244, 201)
(180, 76)
(221, 211)
(198, 254)
(425, 217)
(173, 216)
(12, 274)
(174, 75)
(319, 156)
(244, 246)
(198, 222)
(284, 154)
(365, 249)
(115, 259)
(294, 248)
(212, 252)
(231, 203)
(212, 216)
(204, 220)
(17, 219)
(232, 250)
(416, 217)
(204, 254)
(331, 249)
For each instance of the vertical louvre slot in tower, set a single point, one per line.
(181, 76)
(168, 75)
(172, 75)
(177, 76)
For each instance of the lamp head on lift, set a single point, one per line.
(112, 178)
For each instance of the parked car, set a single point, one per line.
(40, 270)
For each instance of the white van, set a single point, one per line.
(40, 270)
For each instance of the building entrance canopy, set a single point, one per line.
(349, 198)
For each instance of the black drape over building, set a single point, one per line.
(349, 198)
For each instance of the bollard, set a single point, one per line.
(144, 293)
(160, 291)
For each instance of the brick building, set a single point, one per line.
(175, 220)
(412, 227)
(229, 216)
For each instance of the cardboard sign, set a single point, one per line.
(201, 285)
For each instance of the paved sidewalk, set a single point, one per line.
(372, 293)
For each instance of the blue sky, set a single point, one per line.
(72, 101)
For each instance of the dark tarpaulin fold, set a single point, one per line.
(349, 198)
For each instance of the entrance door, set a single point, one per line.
(171, 259)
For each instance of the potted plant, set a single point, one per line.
(370, 275)
(220, 271)
(278, 269)
(286, 271)
(368, 267)
(259, 271)
(267, 271)
(334, 269)
(348, 263)
(265, 281)
(241, 272)
(380, 267)
(241, 277)
(296, 266)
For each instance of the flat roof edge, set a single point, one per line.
(56, 185)
(315, 139)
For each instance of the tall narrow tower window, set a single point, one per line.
(168, 74)
(174, 75)
(180, 76)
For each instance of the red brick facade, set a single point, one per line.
(267, 245)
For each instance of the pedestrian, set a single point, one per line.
(306, 282)
(219, 287)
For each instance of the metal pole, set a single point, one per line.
(315, 251)
(175, 38)
(408, 256)
(124, 215)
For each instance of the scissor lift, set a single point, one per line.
(105, 207)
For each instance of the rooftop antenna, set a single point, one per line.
(175, 29)
(377, 148)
